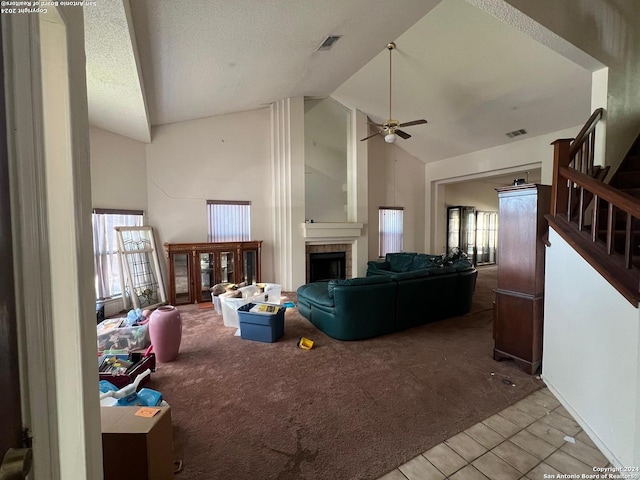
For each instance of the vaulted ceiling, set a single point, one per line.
(473, 77)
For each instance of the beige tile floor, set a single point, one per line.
(523, 442)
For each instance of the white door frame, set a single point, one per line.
(57, 342)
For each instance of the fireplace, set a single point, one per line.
(327, 266)
(342, 249)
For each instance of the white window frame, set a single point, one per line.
(139, 262)
(229, 220)
(107, 261)
(391, 230)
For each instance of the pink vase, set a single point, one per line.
(165, 330)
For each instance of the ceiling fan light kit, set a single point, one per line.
(390, 128)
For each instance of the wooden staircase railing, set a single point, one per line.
(601, 222)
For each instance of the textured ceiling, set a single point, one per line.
(204, 57)
(473, 77)
(114, 88)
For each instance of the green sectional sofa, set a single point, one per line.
(405, 290)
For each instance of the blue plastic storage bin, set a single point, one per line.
(260, 327)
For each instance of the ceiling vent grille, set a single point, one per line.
(328, 42)
(516, 133)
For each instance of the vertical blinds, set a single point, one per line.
(390, 222)
(229, 221)
(105, 248)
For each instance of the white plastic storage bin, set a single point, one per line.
(230, 305)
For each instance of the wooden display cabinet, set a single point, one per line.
(193, 268)
(519, 305)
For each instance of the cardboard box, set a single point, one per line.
(261, 327)
(136, 448)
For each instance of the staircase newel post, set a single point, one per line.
(559, 190)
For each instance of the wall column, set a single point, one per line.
(358, 193)
(287, 178)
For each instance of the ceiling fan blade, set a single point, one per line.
(412, 123)
(370, 136)
(402, 134)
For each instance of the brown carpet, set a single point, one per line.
(344, 410)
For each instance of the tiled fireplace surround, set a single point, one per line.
(330, 247)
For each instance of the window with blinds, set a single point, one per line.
(390, 223)
(105, 248)
(229, 221)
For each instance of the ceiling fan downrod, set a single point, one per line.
(390, 46)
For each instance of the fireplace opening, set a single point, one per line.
(327, 266)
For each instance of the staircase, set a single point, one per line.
(627, 180)
(601, 221)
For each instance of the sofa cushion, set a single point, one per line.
(316, 292)
(424, 260)
(411, 274)
(400, 262)
(462, 265)
(374, 272)
(440, 271)
(378, 265)
(357, 281)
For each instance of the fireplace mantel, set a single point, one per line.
(331, 231)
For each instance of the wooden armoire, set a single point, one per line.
(519, 303)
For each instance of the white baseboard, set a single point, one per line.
(585, 426)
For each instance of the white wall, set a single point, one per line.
(481, 195)
(396, 179)
(591, 352)
(326, 125)
(216, 158)
(535, 152)
(118, 171)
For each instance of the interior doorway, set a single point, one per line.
(10, 406)
(50, 204)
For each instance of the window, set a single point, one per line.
(486, 237)
(390, 224)
(105, 248)
(229, 221)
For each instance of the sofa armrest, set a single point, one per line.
(378, 264)
(315, 293)
(378, 268)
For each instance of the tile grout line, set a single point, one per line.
(556, 448)
(521, 429)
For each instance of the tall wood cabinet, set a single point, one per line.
(193, 268)
(519, 302)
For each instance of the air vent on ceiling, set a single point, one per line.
(328, 42)
(516, 133)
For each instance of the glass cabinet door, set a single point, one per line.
(227, 267)
(249, 264)
(206, 276)
(182, 278)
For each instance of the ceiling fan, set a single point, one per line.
(391, 128)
